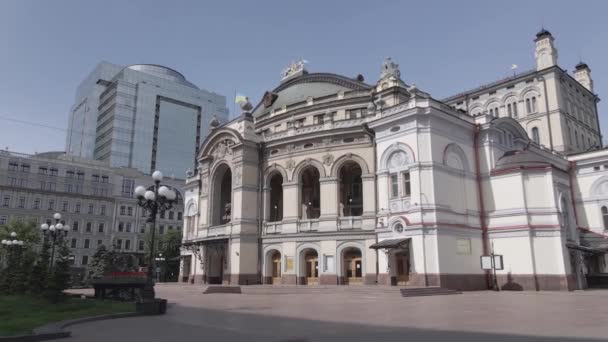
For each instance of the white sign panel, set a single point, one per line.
(498, 262)
(486, 262)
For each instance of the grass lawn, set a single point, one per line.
(21, 314)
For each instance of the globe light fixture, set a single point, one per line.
(154, 199)
(56, 233)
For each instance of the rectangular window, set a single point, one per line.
(88, 227)
(102, 211)
(95, 178)
(127, 244)
(128, 227)
(130, 211)
(143, 213)
(25, 168)
(85, 260)
(179, 215)
(127, 187)
(100, 228)
(86, 243)
(104, 179)
(6, 201)
(318, 119)
(141, 245)
(54, 171)
(142, 229)
(463, 246)
(80, 175)
(170, 215)
(120, 226)
(75, 226)
(77, 208)
(99, 243)
(162, 214)
(22, 202)
(51, 205)
(73, 244)
(12, 166)
(407, 189)
(65, 206)
(68, 188)
(161, 230)
(118, 244)
(42, 185)
(394, 186)
(37, 203)
(3, 219)
(42, 170)
(123, 210)
(69, 174)
(91, 208)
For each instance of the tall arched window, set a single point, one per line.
(276, 198)
(534, 104)
(535, 135)
(351, 193)
(222, 196)
(512, 107)
(605, 217)
(531, 104)
(310, 194)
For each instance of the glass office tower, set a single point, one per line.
(144, 116)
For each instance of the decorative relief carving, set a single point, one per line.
(204, 186)
(222, 149)
(238, 175)
(290, 164)
(328, 159)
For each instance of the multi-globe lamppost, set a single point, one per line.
(154, 199)
(55, 232)
(12, 245)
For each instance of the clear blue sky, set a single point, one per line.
(444, 47)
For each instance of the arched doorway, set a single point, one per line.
(276, 198)
(351, 190)
(222, 193)
(352, 266)
(215, 255)
(310, 194)
(309, 267)
(273, 267)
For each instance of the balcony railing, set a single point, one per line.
(349, 222)
(273, 227)
(308, 225)
(218, 230)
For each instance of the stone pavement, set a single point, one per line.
(340, 314)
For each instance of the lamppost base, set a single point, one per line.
(155, 306)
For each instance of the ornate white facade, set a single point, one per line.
(330, 180)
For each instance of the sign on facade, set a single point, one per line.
(288, 263)
(486, 262)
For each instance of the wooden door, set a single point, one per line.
(276, 269)
(312, 270)
(402, 261)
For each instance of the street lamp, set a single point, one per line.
(154, 199)
(55, 232)
(12, 245)
(160, 258)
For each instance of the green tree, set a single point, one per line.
(59, 279)
(168, 246)
(18, 260)
(40, 271)
(99, 264)
(27, 231)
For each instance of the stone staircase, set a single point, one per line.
(427, 291)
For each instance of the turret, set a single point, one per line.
(582, 73)
(545, 51)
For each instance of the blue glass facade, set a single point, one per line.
(141, 116)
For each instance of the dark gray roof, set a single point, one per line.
(542, 33)
(581, 65)
(315, 85)
(390, 243)
(489, 85)
(517, 158)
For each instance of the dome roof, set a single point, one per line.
(517, 158)
(162, 72)
(581, 65)
(543, 33)
(314, 85)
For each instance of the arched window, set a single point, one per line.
(493, 110)
(351, 190)
(528, 106)
(534, 104)
(222, 193)
(605, 217)
(566, 217)
(512, 109)
(276, 197)
(531, 104)
(535, 135)
(310, 193)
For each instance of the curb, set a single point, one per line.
(57, 329)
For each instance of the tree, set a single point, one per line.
(168, 245)
(40, 271)
(99, 264)
(59, 279)
(14, 278)
(27, 231)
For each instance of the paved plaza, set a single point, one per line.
(360, 314)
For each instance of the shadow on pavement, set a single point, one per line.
(202, 324)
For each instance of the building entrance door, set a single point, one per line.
(276, 268)
(312, 269)
(403, 267)
(353, 266)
